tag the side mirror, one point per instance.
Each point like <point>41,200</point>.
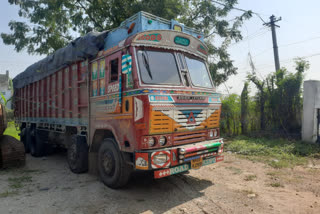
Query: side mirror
<point>126,64</point>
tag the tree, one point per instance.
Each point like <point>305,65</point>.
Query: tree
<point>54,23</point>
<point>244,108</point>
<point>280,98</point>
<point>261,95</point>
<point>285,97</point>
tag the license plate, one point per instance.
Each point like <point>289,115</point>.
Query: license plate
<point>196,163</point>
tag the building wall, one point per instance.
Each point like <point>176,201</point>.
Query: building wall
<point>311,102</point>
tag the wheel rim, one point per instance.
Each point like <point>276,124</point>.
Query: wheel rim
<point>108,163</point>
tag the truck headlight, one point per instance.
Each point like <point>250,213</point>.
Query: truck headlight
<point>160,159</point>
<point>151,142</point>
<point>211,134</point>
<point>162,140</point>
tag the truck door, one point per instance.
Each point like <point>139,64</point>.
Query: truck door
<point>113,84</point>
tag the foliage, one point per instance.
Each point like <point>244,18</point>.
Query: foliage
<point>12,131</point>
<point>278,153</point>
<point>244,108</point>
<point>3,99</point>
<point>277,106</point>
<point>53,24</point>
<point>280,98</point>
<point>230,115</point>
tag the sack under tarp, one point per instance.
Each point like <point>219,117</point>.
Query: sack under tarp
<point>79,49</point>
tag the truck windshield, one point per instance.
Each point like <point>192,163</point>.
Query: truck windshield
<point>198,73</point>
<point>158,68</point>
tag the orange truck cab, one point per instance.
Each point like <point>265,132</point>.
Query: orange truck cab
<point>144,101</point>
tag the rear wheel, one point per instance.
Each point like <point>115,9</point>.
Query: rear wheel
<point>36,142</point>
<point>24,140</point>
<point>113,168</point>
<point>78,154</point>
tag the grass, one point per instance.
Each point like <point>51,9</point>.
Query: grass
<point>276,184</point>
<point>8,194</point>
<point>278,153</point>
<point>234,170</point>
<point>250,177</point>
<point>12,131</point>
<point>274,173</point>
<point>17,182</point>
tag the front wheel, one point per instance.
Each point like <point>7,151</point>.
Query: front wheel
<point>113,168</point>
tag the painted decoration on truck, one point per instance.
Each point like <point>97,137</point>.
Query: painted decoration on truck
<point>172,40</point>
<point>161,98</point>
<point>95,88</point>
<point>126,64</point>
<point>94,71</point>
<point>172,92</point>
<point>138,109</point>
<point>152,37</point>
<point>182,118</point>
<point>141,161</point>
<point>157,165</point>
<point>171,171</point>
<point>214,99</point>
<point>190,119</point>
<point>183,168</point>
<point>102,68</point>
<point>111,105</point>
<point>102,87</point>
<point>202,49</point>
<point>113,87</point>
<point>127,69</point>
<point>219,159</point>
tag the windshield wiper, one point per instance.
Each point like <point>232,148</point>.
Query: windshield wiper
<point>146,63</point>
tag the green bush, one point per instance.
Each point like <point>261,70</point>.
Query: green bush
<point>278,153</point>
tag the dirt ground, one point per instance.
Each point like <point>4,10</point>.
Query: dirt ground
<point>46,185</point>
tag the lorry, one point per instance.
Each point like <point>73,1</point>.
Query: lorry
<point>138,97</point>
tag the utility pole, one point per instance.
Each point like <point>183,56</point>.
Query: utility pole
<point>273,26</point>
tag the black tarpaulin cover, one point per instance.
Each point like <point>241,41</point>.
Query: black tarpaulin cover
<point>79,49</point>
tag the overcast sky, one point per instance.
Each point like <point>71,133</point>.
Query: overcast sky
<point>298,36</point>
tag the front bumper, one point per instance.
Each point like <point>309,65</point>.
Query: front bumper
<point>185,167</point>
<point>178,159</point>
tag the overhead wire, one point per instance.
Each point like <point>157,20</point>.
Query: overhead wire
<point>285,61</point>
<point>286,45</point>
<point>240,9</point>
<point>252,36</point>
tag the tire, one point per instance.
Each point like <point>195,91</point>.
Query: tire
<point>29,139</point>
<point>78,154</point>
<point>113,169</point>
<point>37,140</point>
<point>24,140</point>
